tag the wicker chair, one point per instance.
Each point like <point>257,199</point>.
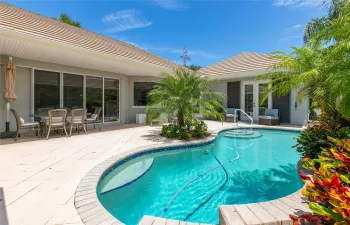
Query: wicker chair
<point>57,119</point>
<point>22,125</point>
<point>94,118</point>
<point>271,117</point>
<point>77,119</point>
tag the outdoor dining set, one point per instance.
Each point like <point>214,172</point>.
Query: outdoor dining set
<point>46,120</point>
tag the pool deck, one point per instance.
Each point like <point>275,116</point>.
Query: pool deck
<point>39,178</point>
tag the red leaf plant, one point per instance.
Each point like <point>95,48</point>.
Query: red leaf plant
<point>328,189</point>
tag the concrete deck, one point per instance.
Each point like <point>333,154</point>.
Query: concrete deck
<point>39,177</point>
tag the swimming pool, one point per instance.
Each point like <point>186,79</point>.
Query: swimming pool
<point>265,170</point>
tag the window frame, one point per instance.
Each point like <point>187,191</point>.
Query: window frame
<point>61,89</point>
<point>133,94</point>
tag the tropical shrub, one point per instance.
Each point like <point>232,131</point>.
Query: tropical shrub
<point>312,140</point>
<point>182,95</point>
<point>198,129</point>
<point>328,189</point>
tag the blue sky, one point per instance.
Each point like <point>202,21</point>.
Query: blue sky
<point>211,30</point>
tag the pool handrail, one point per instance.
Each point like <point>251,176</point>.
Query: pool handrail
<point>235,117</point>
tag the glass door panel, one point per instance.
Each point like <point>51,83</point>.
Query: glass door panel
<point>46,91</point>
<point>263,105</point>
<point>111,99</point>
<point>249,100</point>
<point>73,91</point>
<point>94,91</point>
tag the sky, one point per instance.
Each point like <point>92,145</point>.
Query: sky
<point>211,30</point>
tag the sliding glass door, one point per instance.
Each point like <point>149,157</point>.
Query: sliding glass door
<point>111,99</point>
<point>94,92</point>
<point>46,91</point>
<point>73,91</point>
<point>54,90</point>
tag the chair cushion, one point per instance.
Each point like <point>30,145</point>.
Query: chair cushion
<point>30,124</point>
<point>231,115</point>
<point>271,112</point>
<point>269,117</point>
<point>93,116</point>
<point>230,110</point>
<point>22,120</point>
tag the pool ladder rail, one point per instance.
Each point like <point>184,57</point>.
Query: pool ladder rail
<point>236,120</point>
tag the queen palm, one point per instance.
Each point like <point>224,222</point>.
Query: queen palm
<point>304,70</point>
<point>183,94</point>
<point>313,28</point>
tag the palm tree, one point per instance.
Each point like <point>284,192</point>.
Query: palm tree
<point>183,94</point>
<point>194,67</point>
<point>337,59</point>
<point>66,19</point>
<point>304,70</point>
<point>316,25</point>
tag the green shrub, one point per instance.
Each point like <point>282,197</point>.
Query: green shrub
<point>200,129</point>
<point>312,140</point>
<point>197,129</point>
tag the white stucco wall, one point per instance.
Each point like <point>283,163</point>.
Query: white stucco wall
<point>299,111</point>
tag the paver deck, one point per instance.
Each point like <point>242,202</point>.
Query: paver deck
<point>39,177</point>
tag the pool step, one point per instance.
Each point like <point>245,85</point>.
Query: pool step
<point>275,212</point>
<point>152,220</point>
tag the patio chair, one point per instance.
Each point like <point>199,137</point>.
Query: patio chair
<point>230,115</point>
<point>270,118</point>
<point>23,125</point>
<point>94,118</point>
<point>77,119</point>
<point>57,119</point>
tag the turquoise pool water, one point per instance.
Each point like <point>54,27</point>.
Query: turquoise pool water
<point>265,170</point>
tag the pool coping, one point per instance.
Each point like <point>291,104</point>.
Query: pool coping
<point>86,202</point>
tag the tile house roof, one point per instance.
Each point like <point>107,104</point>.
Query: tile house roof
<point>20,20</point>
<point>246,61</point>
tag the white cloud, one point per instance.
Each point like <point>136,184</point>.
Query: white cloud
<point>125,20</point>
<point>290,38</point>
<point>297,26</point>
<point>171,4</point>
<point>298,3</point>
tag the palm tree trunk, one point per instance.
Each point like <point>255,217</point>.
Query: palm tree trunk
<point>180,119</point>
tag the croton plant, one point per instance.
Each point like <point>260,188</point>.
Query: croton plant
<point>328,189</point>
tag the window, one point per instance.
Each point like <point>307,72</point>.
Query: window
<point>73,91</point>
<point>94,91</point>
<point>46,90</point>
<point>141,90</point>
<point>111,99</point>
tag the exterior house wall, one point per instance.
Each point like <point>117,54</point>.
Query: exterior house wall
<point>299,112</point>
<point>23,88</point>
<point>22,104</point>
<point>298,115</point>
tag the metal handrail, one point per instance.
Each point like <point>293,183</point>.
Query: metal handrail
<point>235,118</point>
